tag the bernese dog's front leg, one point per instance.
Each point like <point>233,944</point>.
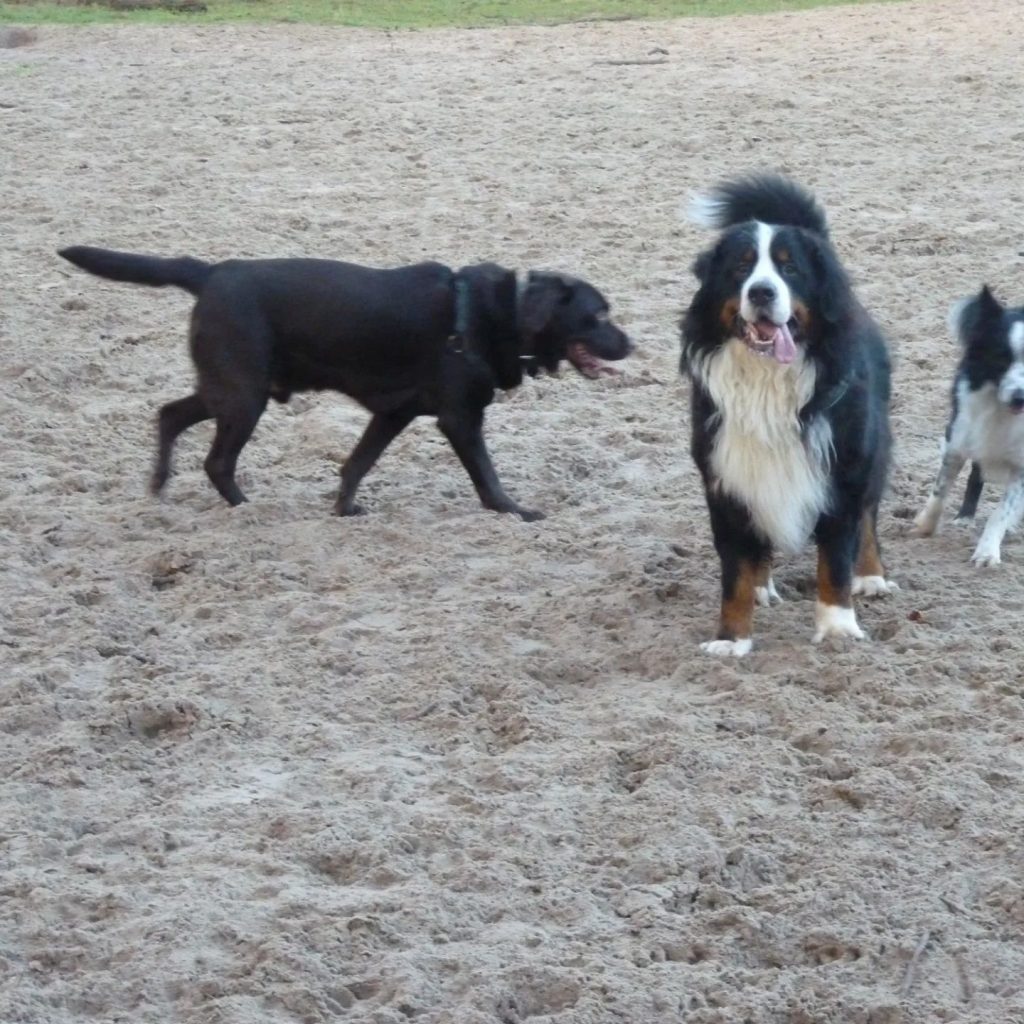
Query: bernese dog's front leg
<point>746,569</point>
<point>837,545</point>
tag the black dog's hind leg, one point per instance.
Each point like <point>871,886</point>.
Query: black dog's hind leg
<point>465,433</point>
<point>235,424</point>
<point>381,431</point>
<point>972,493</point>
<point>172,419</point>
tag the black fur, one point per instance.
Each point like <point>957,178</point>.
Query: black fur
<point>846,348</point>
<point>264,329</point>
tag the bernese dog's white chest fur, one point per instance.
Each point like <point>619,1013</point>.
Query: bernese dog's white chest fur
<point>759,455</point>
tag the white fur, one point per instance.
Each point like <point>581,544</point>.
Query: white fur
<point>706,211</point>
<point>759,456</point>
<point>987,432</point>
<point>833,620</point>
<point>767,595</point>
<point>1006,517</point>
<point>728,648</point>
<point>765,273</point>
<point>874,586</point>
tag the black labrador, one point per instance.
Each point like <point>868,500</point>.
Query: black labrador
<point>420,340</point>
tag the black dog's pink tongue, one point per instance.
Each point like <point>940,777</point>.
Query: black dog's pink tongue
<point>783,346</point>
<point>587,363</point>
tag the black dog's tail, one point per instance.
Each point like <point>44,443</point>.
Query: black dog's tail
<point>769,198</point>
<point>184,272</point>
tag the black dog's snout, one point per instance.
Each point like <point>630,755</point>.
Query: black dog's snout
<point>762,294</point>
<point>1017,399</point>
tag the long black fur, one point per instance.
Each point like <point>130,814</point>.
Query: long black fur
<point>846,347</point>
<point>420,340</point>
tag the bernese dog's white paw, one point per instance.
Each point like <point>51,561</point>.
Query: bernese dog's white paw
<point>986,555</point>
<point>833,620</point>
<point>728,648</point>
<point>874,586</point>
<point>927,520</point>
<point>767,595</point>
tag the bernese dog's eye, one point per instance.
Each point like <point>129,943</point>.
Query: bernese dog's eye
<point>788,269</point>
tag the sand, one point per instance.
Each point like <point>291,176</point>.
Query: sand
<point>264,765</point>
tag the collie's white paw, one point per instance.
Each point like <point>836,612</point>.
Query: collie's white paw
<point>986,555</point>
<point>767,595</point>
<point>833,620</point>
<point>927,519</point>
<point>874,586</point>
<point>728,648</point>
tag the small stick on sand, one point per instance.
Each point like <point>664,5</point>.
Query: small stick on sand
<point>624,63</point>
<point>966,988</point>
<point>908,978</point>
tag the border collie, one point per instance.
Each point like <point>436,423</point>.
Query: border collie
<point>790,406</point>
<point>986,425</point>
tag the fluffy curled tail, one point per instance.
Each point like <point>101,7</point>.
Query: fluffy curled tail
<point>183,272</point>
<point>769,198</point>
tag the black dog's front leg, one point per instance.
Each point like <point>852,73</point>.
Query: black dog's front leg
<point>464,431</point>
<point>382,430</point>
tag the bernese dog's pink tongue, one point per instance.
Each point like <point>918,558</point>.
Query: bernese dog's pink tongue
<point>784,349</point>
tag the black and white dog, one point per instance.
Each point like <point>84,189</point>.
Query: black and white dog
<point>986,425</point>
<point>790,407</point>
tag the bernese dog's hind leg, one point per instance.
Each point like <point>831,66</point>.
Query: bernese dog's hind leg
<point>837,545</point>
<point>1006,517</point>
<point>765,593</point>
<point>868,573</point>
<point>928,518</point>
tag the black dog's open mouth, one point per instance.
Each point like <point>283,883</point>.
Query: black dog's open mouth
<point>587,363</point>
<point>767,338</point>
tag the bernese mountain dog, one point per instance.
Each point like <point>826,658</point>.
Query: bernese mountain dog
<point>986,425</point>
<point>790,407</point>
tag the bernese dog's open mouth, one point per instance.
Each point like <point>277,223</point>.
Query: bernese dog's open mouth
<point>587,363</point>
<point>767,338</point>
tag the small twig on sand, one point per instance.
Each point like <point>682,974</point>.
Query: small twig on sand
<point>950,905</point>
<point>623,63</point>
<point>966,988</point>
<point>908,978</point>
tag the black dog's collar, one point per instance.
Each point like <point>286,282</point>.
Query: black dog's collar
<point>528,360</point>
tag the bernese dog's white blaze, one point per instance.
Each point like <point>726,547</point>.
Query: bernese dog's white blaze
<point>765,275</point>
<point>760,456</point>
<point>987,422</point>
<point>834,620</point>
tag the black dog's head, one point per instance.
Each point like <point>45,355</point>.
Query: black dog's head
<point>772,279</point>
<point>562,317</point>
<point>992,337</point>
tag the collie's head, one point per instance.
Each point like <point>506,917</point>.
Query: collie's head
<point>772,279</point>
<point>992,337</point>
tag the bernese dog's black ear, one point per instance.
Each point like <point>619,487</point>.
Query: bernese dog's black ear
<point>835,295</point>
<point>702,265</point>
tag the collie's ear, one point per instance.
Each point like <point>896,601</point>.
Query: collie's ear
<point>969,316</point>
<point>836,296</point>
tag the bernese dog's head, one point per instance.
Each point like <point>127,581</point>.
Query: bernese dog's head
<point>992,337</point>
<point>772,279</point>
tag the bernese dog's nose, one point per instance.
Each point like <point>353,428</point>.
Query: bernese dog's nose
<point>1017,399</point>
<point>761,294</point>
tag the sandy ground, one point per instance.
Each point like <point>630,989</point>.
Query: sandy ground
<point>262,765</point>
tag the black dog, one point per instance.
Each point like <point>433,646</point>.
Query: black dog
<point>790,412</point>
<point>414,341</point>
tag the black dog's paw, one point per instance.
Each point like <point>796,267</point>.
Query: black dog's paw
<point>530,515</point>
<point>349,510</point>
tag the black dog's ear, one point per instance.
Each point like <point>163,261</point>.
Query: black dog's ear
<point>835,294</point>
<point>544,292</point>
<point>485,313</point>
<point>970,317</point>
